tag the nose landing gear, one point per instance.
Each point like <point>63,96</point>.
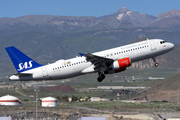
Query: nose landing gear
<point>155,63</point>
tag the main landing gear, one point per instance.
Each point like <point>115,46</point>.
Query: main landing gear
<point>155,63</point>
<point>101,77</point>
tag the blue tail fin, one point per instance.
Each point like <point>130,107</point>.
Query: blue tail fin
<point>20,60</point>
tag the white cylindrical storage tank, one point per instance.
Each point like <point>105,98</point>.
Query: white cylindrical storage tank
<point>9,100</point>
<point>49,102</point>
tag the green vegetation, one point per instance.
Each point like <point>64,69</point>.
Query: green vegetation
<point>118,106</point>
<point>8,91</point>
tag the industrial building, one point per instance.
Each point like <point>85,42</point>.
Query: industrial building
<point>92,118</point>
<point>93,99</point>
<point>9,100</point>
<point>120,87</point>
<point>49,102</point>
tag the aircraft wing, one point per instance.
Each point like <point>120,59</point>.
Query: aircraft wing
<point>98,61</point>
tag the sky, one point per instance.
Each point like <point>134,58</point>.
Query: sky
<point>17,8</point>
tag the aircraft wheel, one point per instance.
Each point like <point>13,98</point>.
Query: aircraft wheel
<point>101,77</point>
<point>156,64</point>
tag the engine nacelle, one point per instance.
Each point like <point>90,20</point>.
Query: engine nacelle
<point>118,66</point>
<point>121,63</point>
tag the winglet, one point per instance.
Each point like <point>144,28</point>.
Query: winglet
<point>81,54</point>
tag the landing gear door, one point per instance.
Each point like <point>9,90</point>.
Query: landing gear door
<point>44,71</point>
<point>153,47</point>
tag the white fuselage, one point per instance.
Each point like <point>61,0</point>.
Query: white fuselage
<point>79,65</point>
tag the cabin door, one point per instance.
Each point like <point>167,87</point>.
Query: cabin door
<point>44,71</point>
<point>153,47</point>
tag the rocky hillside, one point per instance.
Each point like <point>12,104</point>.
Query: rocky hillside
<point>170,19</point>
<point>124,15</point>
<point>166,90</point>
<point>172,83</point>
<point>118,19</point>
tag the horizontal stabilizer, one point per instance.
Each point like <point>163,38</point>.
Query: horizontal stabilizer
<point>22,74</point>
<point>81,54</point>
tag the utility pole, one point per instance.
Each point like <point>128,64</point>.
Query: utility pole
<point>177,97</point>
<point>36,90</point>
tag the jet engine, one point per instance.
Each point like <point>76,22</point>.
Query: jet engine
<point>118,65</point>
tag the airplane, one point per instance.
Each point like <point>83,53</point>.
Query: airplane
<point>104,62</point>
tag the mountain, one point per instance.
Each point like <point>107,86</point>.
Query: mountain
<point>47,20</point>
<point>170,13</point>
<point>125,14</point>
<point>170,19</point>
<point>172,83</point>
<point>166,90</point>
<point>121,18</point>
<point>124,17</point>
<point>47,38</point>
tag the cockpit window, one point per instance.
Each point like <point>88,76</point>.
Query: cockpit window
<point>162,42</point>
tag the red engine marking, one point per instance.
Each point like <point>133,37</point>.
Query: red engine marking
<point>125,62</point>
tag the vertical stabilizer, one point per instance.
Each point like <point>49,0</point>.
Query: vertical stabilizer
<point>20,60</point>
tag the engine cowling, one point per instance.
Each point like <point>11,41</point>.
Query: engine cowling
<point>119,65</point>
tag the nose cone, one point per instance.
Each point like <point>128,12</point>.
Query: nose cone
<point>171,46</point>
